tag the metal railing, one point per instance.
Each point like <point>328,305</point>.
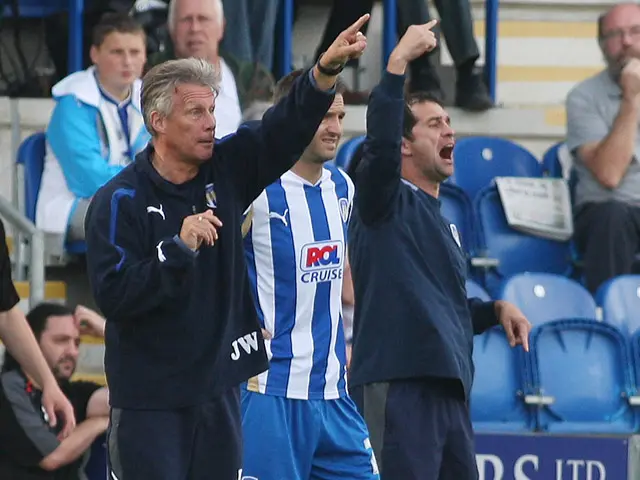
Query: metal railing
<point>35,244</point>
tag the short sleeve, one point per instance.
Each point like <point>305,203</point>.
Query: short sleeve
<point>8,295</point>
<point>79,393</point>
<point>585,124</point>
<point>24,434</point>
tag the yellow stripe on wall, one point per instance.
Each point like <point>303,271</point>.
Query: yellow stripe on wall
<point>523,29</point>
<point>52,290</point>
<point>88,377</point>
<point>555,116</point>
<point>510,73</point>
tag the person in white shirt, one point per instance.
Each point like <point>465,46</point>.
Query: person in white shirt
<point>196,28</point>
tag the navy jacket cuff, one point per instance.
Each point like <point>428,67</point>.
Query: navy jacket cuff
<point>312,79</point>
<point>392,84</point>
<point>183,246</point>
<point>483,315</point>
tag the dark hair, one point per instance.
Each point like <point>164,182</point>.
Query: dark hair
<point>114,22</point>
<point>409,120</point>
<point>284,85</point>
<point>37,320</point>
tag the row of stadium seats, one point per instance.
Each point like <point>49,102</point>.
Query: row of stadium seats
<point>471,201</point>
<point>582,374</point>
<point>480,160</point>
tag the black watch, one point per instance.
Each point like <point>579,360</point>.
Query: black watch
<point>330,72</point>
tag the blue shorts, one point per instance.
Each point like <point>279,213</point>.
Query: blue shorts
<point>305,439</point>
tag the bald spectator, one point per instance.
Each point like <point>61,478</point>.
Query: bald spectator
<point>196,28</point>
<point>602,134</point>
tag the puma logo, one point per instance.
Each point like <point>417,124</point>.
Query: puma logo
<point>161,256</point>
<point>159,211</point>
<point>282,218</point>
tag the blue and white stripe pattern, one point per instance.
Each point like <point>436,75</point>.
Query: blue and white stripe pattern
<point>296,254</point>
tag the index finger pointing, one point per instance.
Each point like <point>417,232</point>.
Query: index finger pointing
<point>430,24</point>
<point>355,27</point>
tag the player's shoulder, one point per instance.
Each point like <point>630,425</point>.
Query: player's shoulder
<point>340,177</point>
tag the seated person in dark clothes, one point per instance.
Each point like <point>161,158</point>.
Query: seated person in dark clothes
<point>30,448</point>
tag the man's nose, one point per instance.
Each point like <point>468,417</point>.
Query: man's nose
<point>334,127</point>
<point>210,122</point>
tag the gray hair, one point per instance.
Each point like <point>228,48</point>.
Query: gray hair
<point>159,84</point>
<point>171,15</point>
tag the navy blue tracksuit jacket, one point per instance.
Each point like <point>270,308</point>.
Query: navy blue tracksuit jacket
<point>182,327</point>
<point>412,318</point>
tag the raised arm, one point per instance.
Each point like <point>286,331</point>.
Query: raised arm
<point>260,152</point>
<point>379,172</point>
<point>128,280</point>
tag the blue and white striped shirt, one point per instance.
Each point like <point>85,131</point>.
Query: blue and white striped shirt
<point>296,253</point>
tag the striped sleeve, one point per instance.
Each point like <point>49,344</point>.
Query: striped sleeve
<point>23,432</point>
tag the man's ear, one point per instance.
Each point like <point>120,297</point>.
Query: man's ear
<point>405,148</point>
<point>158,122</point>
<point>93,54</point>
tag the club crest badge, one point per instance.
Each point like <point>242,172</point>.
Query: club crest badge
<point>455,234</point>
<point>343,204</point>
<point>210,196</point>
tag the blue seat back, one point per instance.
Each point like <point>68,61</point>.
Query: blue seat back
<point>478,160</point>
<point>544,297</point>
<point>620,302</point>
<point>475,290</point>
<point>346,151</point>
<point>584,366</point>
<point>31,156</point>
<point>457,208</point>
<point>517,252</point>
<point>496,396</point>
<point>36,8</point>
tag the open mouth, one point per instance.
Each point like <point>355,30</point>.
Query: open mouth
<point>447,151</point>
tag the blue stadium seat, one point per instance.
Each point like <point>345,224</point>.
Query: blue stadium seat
<point>497,396</point>
<point>31,156</point>
<point>456,207</point>
<point>346,151</point>
<point>516,252</point>
<point>582,367</point>
<point>36,8</point>
<point>475,290</point>
<point>480,159</point>
<point>544,297</point>
<point>620,302</point>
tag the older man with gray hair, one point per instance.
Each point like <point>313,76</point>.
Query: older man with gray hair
<point>603,118</point>
<point>166,263</point>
